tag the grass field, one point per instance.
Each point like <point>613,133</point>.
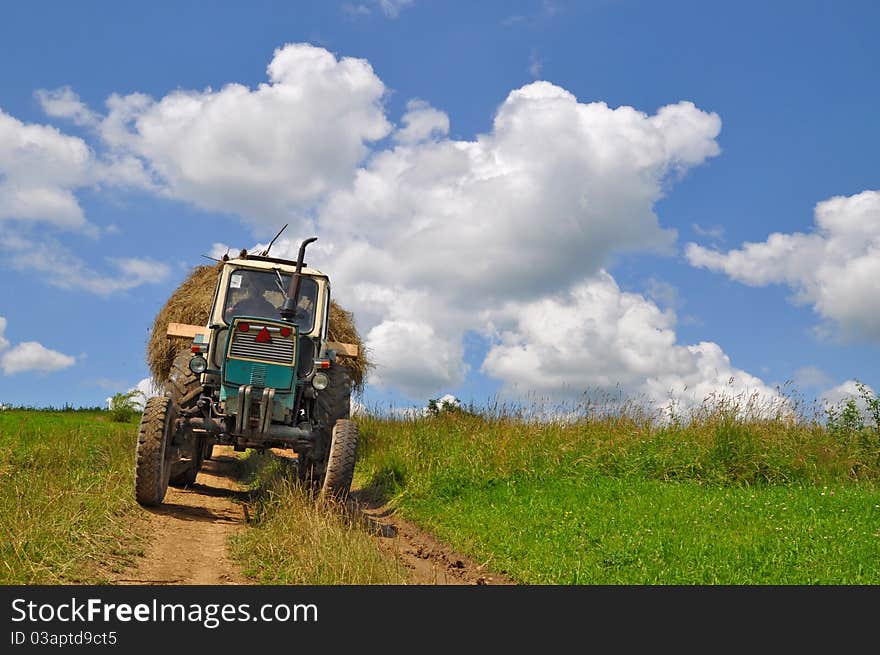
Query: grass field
<point>610,498</point>
<point>67,512</point>
<point>620,499</point>
<point>293,540</point>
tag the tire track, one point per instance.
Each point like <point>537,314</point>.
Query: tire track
<point>190,530</point>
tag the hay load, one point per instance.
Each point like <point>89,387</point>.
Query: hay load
<point>191,303</point>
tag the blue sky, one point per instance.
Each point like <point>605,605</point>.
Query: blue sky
<point>782,120</point>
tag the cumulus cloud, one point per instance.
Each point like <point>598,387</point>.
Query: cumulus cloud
<point>266,153</point>
<point>30,356</point>
<point>558,186</point>
<point>436,237</point>
<point>433,237</point>
<point>453,230</point>
<point>421,122</point>
<point>599,337</point>
<point>40,170</point>
<point>834,268</point>
<point>411,355</point>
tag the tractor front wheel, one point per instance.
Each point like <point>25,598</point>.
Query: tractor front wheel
<point>341,460</point>
<point>152,468</point>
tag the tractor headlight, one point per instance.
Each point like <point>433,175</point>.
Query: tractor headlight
<point>198,364</point>
<point>320,381</point>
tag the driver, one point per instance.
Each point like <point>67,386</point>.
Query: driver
<point>254,302</point>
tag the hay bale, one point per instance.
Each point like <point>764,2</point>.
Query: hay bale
<point>191,303</point>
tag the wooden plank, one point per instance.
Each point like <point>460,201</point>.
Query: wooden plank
<point>347,349</point>
<point>184,330</point>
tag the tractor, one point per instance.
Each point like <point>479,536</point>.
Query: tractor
<point>261,374</point>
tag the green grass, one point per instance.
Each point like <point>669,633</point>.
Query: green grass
<point>621,499</point>
<point>294,540</point>
<point>67,512</point>
<point>604,530</point>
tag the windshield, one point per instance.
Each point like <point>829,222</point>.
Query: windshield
<point>256,293</point>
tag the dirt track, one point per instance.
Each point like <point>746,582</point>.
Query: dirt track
<point>188,537</point>
<point>189,531</point>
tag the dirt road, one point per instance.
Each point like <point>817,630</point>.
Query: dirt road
<point>190,531</point>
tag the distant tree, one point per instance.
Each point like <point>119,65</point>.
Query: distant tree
<point>124,406</point>
<point>447,403</point>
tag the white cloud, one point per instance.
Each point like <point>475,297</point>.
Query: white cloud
<point>845,391</point>
<point>714,232</point>
<point>61,268</point>
<point>40,169</point>
<point>421,122</point>
<point>64,103</point>
<point>267,153</point>
<point>437,237</point>
<point>4,342</point>
<point>29,356</point>
<point>555,189</point>
<point>446,232</point>
<point>662,293</point>
<point>834,268</point>
<point>598,337</point>
<point>410,355</point>
<point>433,237</point>
<point>33,356</point>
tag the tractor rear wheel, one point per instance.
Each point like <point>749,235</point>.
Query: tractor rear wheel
<point>183,385</point>
<point>185,388</point>
<point>341,460</point>
<point>152,468</point>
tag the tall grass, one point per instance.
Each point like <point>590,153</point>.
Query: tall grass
<point>67,511</point>
<point>722,441</point>
<point>548,499</point>
<point>294,540</point>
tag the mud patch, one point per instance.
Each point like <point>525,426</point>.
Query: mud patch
<point>428,560</point>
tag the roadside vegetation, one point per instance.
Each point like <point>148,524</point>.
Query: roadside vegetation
<point>67,514</point>
<point>612,494</point>
<point>293,540</point>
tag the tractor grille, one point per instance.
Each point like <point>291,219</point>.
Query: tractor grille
<point>277,351</point>
<point>258,376</point>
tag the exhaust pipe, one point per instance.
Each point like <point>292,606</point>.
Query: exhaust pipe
<point>288,309</point>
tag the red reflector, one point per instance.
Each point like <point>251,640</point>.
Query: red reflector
<point>323,363</point>
<point>244,327</point>
<point>196,349</point>
<point>285,332</point>
<point>263,336</point>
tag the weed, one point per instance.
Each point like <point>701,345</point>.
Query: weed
<point>125,406</point>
